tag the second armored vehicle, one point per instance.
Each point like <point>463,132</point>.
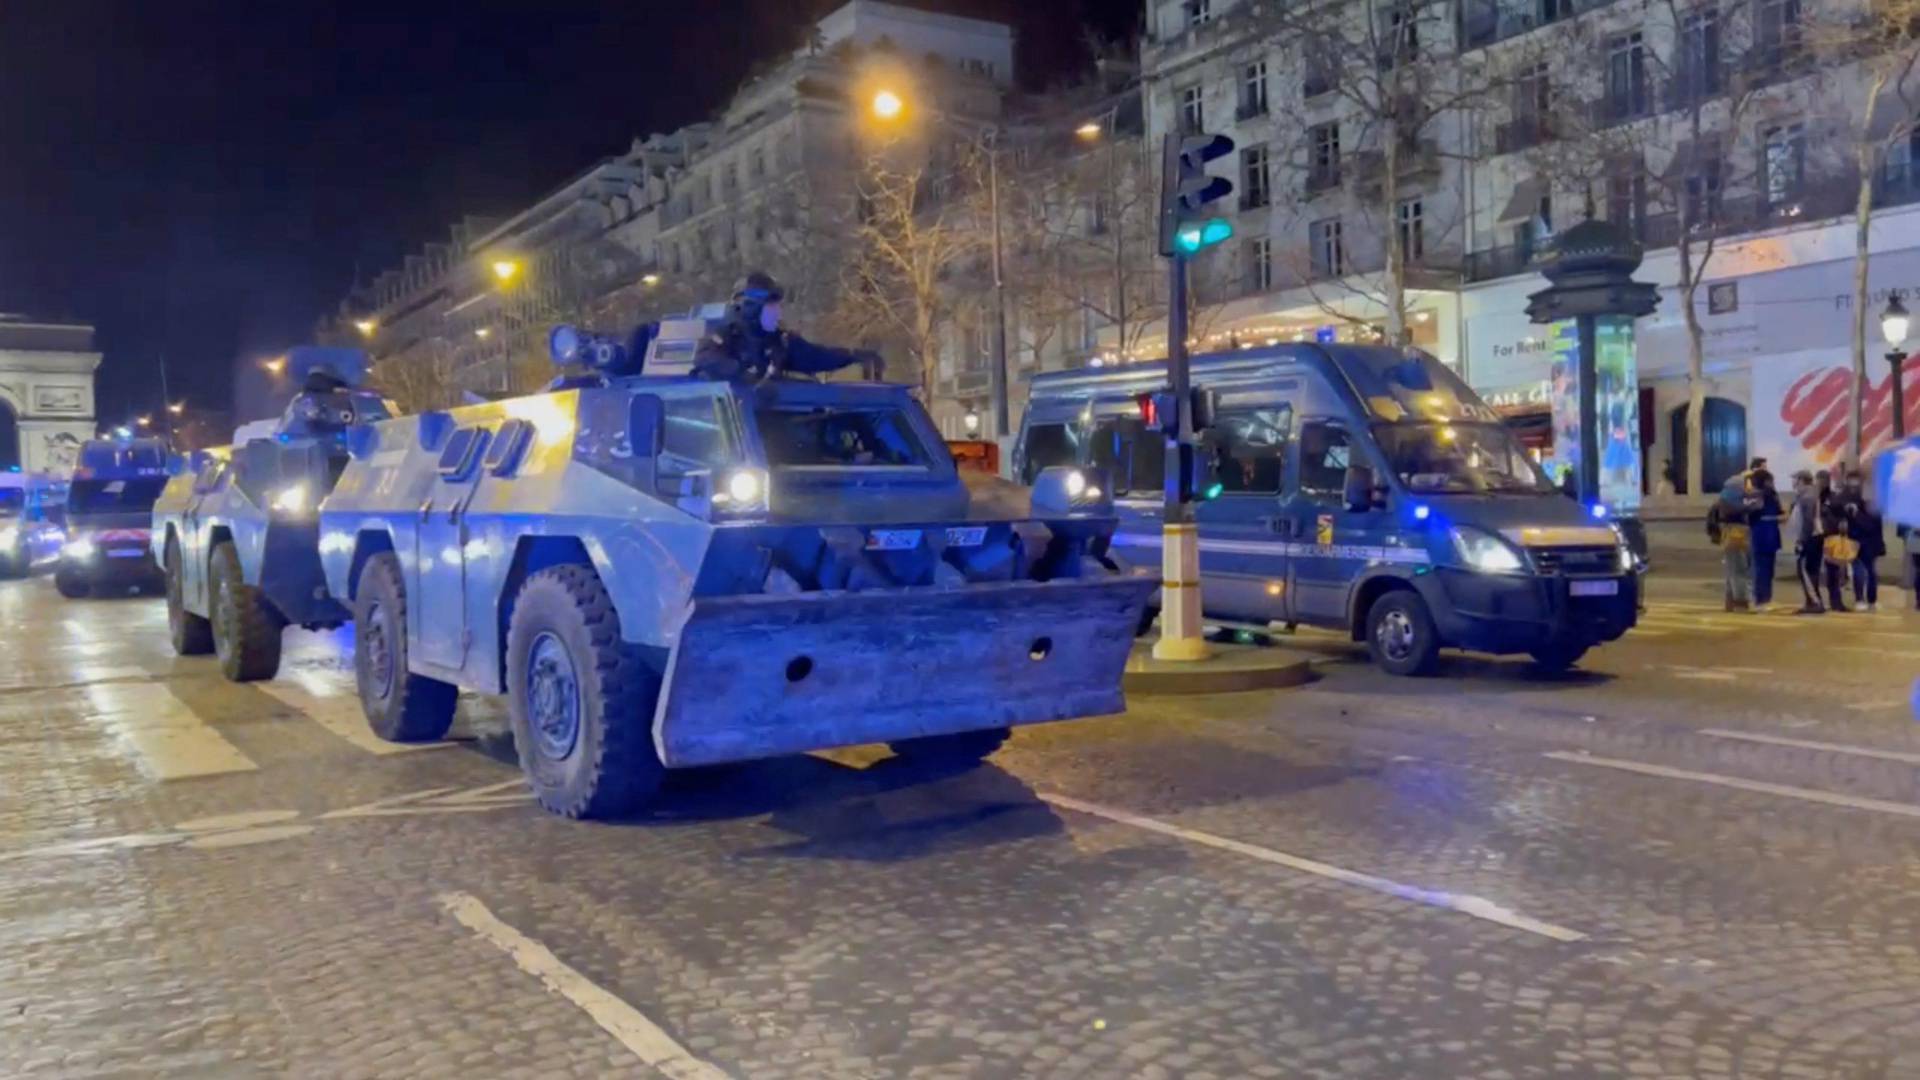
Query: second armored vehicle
<point>237,533</point>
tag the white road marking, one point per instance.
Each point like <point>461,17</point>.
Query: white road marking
<point>338,712</point>
<point>1851,802</point>
<point>1877,706</point>
<point>169,738</point>
<point>637,1033</point>
<point>1701,674</point>
<point>1897,654</point>
<point>1902,756</point>
<point>1478,907</point>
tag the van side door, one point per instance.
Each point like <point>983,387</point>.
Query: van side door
<point>1243,549</point>
<point>1325,537</point>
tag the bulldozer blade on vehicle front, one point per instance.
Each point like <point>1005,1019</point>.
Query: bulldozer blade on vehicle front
<point>763,675</point>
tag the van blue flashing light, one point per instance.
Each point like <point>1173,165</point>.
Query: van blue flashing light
<point>1422,512</point>
<point>1599,512</point>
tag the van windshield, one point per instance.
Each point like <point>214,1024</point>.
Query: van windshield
<point>114,496</point>
<point>1470,458</point>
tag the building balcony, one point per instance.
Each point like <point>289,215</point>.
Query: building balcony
<point>1322,179</point>
<point>1485,22</point>
<point>1251,110</point>
<point>1524,133</point>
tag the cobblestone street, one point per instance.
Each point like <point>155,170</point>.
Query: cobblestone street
<point>1699,856</point>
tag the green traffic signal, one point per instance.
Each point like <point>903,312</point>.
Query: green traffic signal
<point>1213,490</point>
<point>1194,237</point>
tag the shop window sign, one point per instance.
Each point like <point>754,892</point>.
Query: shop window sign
<point>1723,298</point>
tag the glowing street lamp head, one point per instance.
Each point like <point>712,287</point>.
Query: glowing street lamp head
<point>275,365</point>
<point>1090,130</point>
<point>482,332</point>
<point>649,280</point>
<point>506,269</point>
<point>365,326</point>
<point>144,421</point>
<point>177,407</point>
<point>887,105</point>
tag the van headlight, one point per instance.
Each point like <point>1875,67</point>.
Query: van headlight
<point>9,536</point>
<point>80,549</point>
<point>1486,553</point>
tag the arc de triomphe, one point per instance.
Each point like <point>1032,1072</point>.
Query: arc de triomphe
<point>46,382</point>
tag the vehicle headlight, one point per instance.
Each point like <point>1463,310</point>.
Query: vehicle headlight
<point>741,490</point>
<point>80,549</point>
<point>292,499</point>
<point>1628,562</point>
<point>1482,551</point>
<point>9,536</point>
<point>1076,484</point>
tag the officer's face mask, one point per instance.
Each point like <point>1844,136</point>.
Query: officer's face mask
<point>770,316</point>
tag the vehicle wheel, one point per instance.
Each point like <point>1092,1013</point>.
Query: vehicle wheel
<point>12,566</point>
<point>1558,657</point>
<point>1147,615</point>
<point>1400,634</point>
<point>400,706</point>
<point>964,748</point>
<point>246,632</point>
<point>71,586</point>
<point>581,700</point>
<point>192,635</point>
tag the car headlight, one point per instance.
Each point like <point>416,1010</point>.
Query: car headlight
<point>9,536</point>
<point>80,549</point>
<point>1482,551</point>
<point>292,499</point>
<point>1629,563</point>
<point>741,491</point>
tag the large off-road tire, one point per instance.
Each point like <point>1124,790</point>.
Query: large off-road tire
<point>964,748</point>
<point>246,632</point>
<point>192,635</point>
<point>400,706</point>
<point>580,700</point>
<point>1401,635</point>
<point>71,585</point>
<point>1559,656</point>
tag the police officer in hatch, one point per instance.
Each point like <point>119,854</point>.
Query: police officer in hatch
<point>751,344</point>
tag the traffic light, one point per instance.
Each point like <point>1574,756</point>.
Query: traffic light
<point>1192,481</point>
<point>1185,190</point>
<point>1160,409</point>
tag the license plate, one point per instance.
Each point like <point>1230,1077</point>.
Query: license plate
<point>136,554</point>
<point>968,536</point>
<point>1594,588</point>
<point>893,539</point>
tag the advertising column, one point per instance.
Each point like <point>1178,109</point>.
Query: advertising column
<point>1616,407</point>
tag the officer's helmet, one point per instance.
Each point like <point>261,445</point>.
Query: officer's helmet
<point>753,292</point>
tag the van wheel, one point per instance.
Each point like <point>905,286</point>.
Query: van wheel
<point>400,706</point>
<point>580,699</point>
<point>1400,634</point>
<point>1558,657</point>
<point>191,634</point>
<point>246,632</point>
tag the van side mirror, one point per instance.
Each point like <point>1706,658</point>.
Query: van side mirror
<point>1359,488</point>
<point>647,425</point>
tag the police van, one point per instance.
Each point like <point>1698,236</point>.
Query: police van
<point>1363,489</point>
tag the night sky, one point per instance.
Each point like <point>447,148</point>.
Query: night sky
<point>206,177</point>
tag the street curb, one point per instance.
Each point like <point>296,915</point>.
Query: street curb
<point>1231,669</point>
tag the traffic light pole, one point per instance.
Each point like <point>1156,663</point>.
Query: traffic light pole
<point>1180,629</point>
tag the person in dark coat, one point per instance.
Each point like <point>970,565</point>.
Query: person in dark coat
<point>1832,517</point>
<point>1764,517</point>
<point>1865,528</point>
<point>1806,540</point>
<point>752,344</point>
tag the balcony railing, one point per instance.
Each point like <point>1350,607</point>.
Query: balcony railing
<point>1484,22</point>
<point>1522,134</point>
<point>1323,178</point>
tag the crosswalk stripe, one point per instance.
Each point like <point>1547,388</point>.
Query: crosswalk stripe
<point>337,712</point>
<point>164,733</point>
<point>1829,798</point>
<point>1809,744</point>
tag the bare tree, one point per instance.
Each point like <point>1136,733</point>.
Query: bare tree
<point>1881,43</point>
<point>419,378</point>
<point>1662,128</point>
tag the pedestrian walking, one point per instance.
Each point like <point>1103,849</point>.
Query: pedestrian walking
<point>1764,509</point>
<point>1836,548</point>
<point>1727,525</point>
<point>1868,533</point>
<point>1804,526</point>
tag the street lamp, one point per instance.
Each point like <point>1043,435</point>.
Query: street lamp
<point>1893,326</point>
<point>275,365</point>
<point>176,407</point>
<point>649,280</point>
<point>887,105</point>
<point>1090,130</point>
<point>482,332</point>
<point>506,269</point>
<point>972,422</point>
<point>144,421</point>
<point>366,327</point>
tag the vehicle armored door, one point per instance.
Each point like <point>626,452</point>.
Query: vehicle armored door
<point>1243,547</point>
<point>207,484</point>
<point>437,612</point>
<point>1328,540</point>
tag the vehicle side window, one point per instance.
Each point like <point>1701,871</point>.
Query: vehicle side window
<point>1048,445</point>
<point>693,434</point>
<point>1247,449</point>
<point>1324,454</point>
<point>1133,456</point>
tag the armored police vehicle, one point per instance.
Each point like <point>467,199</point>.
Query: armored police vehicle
<point>110,501</point>
<point>31,532</point>
<point>237,531</point>
<point>661,569</point>
<point>1363,489</point>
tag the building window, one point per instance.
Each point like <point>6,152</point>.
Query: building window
<point>1256,187</point>
<point>1198,12</point>
<point>1776,32</point>
<point>1783,166</point>
<point>1100,214</point>
<point>1699,75</point>
<point>1259,264</point>
<point>1627,199</point>
<point>1320,72</point>
<point>1532,106</point>
<point>1329,250</point>
<point>1528,235</point>
<point>1193,110</point>
<point>1626,76</point>
<point>1703,184</point>
<point>1410,221</point>
<point>1555,10</point>
<point>1399,36</point>
<point>1323,166</point>
<point>757,164</point>
<point>1253,90</point>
